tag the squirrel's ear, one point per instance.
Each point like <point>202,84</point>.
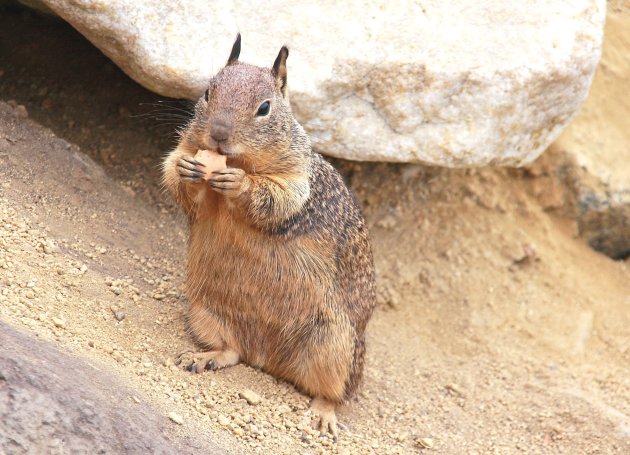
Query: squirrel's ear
<point>279,69</point>
<point>236,51</point>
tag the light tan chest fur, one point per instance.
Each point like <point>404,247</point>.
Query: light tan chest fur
<point>266,289</point>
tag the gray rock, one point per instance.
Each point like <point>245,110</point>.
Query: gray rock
<point>454,83</point>
<point>51,402</point>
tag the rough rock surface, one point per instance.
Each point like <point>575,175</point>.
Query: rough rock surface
<point>51,402</point>
<point>448,83</point>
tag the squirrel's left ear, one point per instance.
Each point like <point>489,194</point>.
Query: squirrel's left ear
<point>236,51</point>
<point>279,69</point>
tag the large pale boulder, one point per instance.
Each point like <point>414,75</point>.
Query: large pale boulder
<point>452,83</point>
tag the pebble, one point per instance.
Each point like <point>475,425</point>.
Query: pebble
<point>250,396</point>
<point>59,322</point>
<point>223,420</point>
<point>116,290</point>
<point>426,443</point>
<point>50,248</point>
<point>175,417</point>
<point>20,111</point>
<point>387,222</point>
<point>455,389</point>
<point>400,437</point>
<point>119,315</point>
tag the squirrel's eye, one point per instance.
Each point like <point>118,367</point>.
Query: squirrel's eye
<point>263,109</point>
<point>205,95</point>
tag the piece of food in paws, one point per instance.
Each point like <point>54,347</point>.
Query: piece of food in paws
<point>211,161</point>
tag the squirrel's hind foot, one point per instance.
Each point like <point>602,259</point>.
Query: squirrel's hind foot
<point>213,360</point>
<point>326,418</point>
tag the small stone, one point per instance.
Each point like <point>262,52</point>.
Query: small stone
<point>387,222</point>
<point>175,417</point>
<point>223,420</point>
<point>29,294</point>
<point>454,388</point>
<point>426,443</point>
<point>387,295</point>
<point>527,254</point>
<point>158,296</point>
<point>50,248</point>
<point>305,438</point>
<point>59,322</point>
<point>20,111</point>
<point>119,315</point>
<point>400,437</point>
<point>250,396</point>
<point>116,290</point>
<point>83,268</point>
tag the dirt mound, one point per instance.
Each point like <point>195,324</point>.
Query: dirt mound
<point>498,329</point>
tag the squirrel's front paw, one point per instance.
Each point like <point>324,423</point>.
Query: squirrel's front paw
<point>190,170</point>
<point>231,181</point>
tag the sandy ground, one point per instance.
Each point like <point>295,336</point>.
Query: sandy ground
<point>498,329</point>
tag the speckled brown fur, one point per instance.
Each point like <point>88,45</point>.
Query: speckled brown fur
<point>279,264</point>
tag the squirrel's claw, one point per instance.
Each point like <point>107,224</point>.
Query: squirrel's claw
<point>212,360</point>
<point>190,162</point>
<point>189,171</point>
<point>230,182</point>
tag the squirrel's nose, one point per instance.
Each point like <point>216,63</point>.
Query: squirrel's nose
<point>220,130</point>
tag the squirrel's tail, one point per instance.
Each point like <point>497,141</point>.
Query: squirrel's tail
<point>356,370</point>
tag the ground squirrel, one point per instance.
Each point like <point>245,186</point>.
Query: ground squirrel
<point>280,272</point>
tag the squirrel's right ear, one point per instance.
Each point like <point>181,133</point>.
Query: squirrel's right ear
<point>236,51</point>
<point>279,69</point>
